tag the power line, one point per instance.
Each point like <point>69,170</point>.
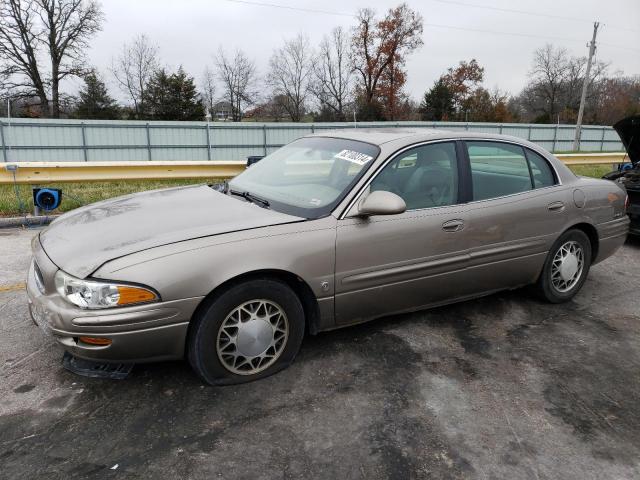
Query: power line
<point>526,12</point>
<point>519,34</point>
<point>510,10</point>
<point>494,32</point>
<point>289,7</point>
<point>436,25</point>
<point>624,47</point>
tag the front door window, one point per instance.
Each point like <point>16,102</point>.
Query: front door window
<point>425,176</point>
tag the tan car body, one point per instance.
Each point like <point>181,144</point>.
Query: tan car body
<point>186,243</point>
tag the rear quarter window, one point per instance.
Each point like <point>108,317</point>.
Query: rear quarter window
<point>542,173</point>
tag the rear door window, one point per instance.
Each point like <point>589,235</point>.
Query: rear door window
<point>498,169</point>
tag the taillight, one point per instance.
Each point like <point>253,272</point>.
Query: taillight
<point>626,202</point>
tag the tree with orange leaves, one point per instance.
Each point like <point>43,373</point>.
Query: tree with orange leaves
<point>463,81</point>
<point>378,52</point>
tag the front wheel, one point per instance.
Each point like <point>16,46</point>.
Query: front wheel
<point>250,331</point>
<point>566,267</point>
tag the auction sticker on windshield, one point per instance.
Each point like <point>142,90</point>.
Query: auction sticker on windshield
<point>354,157</point>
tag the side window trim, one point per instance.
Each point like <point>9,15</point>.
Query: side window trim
<point>526,158</point>
<point>465,182</point>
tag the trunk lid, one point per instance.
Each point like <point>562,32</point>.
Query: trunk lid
<point>629,130</point>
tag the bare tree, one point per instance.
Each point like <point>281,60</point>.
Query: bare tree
<point>289,74</point>
<point>237,76</point>
<point>33,29</point>
<point>20,44</point>
<point>134,68</point>
<point>333,74</point>
<point>553,93</point>
<point>208,90</point>
<point>572,88</point>
<point>549,71</point>
<point>68,24</point>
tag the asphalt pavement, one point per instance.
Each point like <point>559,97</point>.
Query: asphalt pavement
<point>503,387</point>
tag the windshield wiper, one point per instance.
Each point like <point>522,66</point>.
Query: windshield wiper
<point>250,197</point>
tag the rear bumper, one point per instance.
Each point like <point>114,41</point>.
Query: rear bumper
<point>144,333</point>
<point>611,236</point>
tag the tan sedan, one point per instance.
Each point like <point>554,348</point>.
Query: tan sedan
<point>328,231</point>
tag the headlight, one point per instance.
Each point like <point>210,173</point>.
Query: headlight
<point>94,295</point>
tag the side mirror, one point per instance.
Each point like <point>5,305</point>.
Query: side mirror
<point>381,202</point>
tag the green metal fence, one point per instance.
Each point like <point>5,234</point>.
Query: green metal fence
<point>99,140</point>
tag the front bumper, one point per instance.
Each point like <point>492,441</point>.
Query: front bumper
<point>143,333</point>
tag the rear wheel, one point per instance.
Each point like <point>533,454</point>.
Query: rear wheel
<point>250,331</point>
<point>566,267</point>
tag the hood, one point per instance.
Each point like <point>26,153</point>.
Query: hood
<point>82,240</point>
<point>629,130</point>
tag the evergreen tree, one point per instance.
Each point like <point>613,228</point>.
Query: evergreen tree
<point>94,101</point>
<point>438,102</point>
<point>173,96</point>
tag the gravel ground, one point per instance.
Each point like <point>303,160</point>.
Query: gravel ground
<point>502,387</point>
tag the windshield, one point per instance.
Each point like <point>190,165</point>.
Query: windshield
<point>308,177</point>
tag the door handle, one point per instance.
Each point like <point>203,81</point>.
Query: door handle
<point>555,206</point>
<point>453,225</point>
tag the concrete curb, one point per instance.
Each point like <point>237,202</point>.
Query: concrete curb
<point>26,221</point>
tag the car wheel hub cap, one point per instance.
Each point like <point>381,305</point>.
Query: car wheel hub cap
<point>567,266</point>
<point>252,337</point>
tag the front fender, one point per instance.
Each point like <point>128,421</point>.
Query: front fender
<point>196,267</point>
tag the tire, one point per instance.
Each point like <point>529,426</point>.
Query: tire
<point>557,285</point>
<point>250,331</point>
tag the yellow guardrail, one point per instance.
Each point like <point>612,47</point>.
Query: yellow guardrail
<point>593,158</point>
<point>32,173</point>
<point>56,172</point>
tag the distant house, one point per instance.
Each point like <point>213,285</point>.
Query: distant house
<point>222,112</point>
<point>270,111</point>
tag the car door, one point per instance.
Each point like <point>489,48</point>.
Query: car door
<point>516,211</point>
<point>395,263</point>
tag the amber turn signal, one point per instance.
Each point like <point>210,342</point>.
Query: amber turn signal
<point>103,342</point>
<point>130,295</point>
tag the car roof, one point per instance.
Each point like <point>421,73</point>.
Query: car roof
<point>380,136</point>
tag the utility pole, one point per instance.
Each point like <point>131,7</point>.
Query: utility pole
<point>585,85</point>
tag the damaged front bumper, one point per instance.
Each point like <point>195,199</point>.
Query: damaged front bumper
<point>143,333</point>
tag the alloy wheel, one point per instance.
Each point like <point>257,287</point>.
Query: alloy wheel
<point>252,337</point>
<point>567,266</point>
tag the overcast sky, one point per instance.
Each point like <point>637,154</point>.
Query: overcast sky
<point>188,32</point>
